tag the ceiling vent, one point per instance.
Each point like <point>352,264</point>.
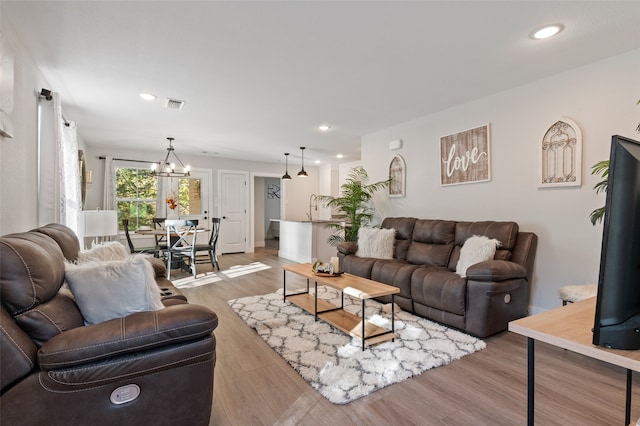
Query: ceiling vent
<point>174,103</point>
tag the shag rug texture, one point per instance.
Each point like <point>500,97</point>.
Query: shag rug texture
<point>334,362</point>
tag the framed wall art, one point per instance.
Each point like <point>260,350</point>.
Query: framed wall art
<point>560,155</point>
<point>465,157</point>
<point>397,173</point>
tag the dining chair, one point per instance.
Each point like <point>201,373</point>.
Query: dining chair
<point>211,246</point>
<point>181,235</point>
<point>132,248</point>
<point>161,241</point>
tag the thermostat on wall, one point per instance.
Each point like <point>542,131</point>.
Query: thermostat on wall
<point>397,144</point>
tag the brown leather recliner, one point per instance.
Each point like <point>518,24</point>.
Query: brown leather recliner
<point>146,368</point>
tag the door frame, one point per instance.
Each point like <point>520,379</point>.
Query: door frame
<point>251,217</point>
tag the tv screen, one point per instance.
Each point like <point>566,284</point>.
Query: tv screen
<point>617,317</point>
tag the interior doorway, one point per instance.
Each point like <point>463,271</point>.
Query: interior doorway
<point>267,195</point>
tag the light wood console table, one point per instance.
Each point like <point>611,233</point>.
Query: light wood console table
<point>354,286</point>
<point>570,327</point>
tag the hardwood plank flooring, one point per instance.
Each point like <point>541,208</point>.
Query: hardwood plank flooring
<point>255,386</point>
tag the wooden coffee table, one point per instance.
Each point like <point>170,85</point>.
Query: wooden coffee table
<point>354,286</point>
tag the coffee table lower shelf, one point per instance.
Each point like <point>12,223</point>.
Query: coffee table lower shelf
<point>343,320</point>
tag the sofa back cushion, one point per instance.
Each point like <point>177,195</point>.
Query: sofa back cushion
<point>432,242</point>
<point>31,274</point>
<point>65,237</point>
<point>505,232</point>
<point>404,232</point>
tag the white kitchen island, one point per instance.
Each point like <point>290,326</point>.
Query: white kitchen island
<point>305,240</point>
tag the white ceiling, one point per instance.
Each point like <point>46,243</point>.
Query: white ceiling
<point>258,77</point>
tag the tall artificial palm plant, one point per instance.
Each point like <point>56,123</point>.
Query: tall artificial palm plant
<point>353,204</point>
<point>600,168</point>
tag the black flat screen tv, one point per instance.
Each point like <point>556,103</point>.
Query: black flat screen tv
<point>617,317</point>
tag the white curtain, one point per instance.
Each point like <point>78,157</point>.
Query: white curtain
<point>59,198</point>
<point>109,198</point>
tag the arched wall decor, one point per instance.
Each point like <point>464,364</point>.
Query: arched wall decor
<point>560,155</point>
<point>397,173</point>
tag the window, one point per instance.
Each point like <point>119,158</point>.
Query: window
<point>136,196</point>
<point>190,200</point>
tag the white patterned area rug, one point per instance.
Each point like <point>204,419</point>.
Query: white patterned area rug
<point>334,362</point>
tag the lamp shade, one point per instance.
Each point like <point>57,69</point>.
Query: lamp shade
<point>99,223</point>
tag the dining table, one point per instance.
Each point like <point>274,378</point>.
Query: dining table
<point>178,263</point>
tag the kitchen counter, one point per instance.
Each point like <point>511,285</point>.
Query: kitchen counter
<point>304,240</point>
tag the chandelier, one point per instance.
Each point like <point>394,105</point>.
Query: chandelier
<point>168,169</point>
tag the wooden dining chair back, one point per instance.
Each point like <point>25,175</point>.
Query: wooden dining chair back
<point>210,247</point>
<point>181,235</point>
<point>132,248</point>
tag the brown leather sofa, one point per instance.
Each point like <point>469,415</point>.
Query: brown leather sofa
<point>148,368</point>
<point>423,267</point>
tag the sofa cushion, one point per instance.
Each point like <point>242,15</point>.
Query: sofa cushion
<point>404,232</point>
<point>376,243</point>
<point>439,288</point>
<point>107,290</point>
<point>360,266</point>
<point>50,318</point>
<point>396,273</point>
<point>476,249</point>
<point>432,242</point>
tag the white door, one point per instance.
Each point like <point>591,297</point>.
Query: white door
<point>233,211</point>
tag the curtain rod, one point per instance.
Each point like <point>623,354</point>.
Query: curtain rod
<point>102,157</point>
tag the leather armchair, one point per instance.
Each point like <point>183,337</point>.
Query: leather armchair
<point>151,367</point>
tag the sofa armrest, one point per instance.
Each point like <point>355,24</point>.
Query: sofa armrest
<point>133,333</point>
<point>348,247</point>
<point>159,268</point>
<point>496,270</point>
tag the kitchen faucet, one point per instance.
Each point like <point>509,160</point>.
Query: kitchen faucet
<point>312,198</point>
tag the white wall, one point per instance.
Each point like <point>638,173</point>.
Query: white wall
<point>600,97</point>
<point>18,155</point>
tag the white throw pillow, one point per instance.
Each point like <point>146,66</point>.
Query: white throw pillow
<point>474,250</point>
<point>376,242</point>
<point>108,290</point>
<point>110,250</point>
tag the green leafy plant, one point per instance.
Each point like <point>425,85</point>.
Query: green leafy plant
<point>353,205</point>
<point>601,168</point>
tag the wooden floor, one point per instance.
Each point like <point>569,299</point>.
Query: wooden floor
<point>254,386</point>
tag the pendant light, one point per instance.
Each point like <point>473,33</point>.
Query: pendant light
<point>302,173</point>
<point>286,167</point>
<point>167,169</point>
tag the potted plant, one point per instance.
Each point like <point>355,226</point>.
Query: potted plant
<point>600,168</point>
<point>353,205</point>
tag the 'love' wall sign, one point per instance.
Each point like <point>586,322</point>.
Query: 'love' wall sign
<point>464,157</point>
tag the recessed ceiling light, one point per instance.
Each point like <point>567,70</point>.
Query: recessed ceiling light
<point>546,31</point>
<point>324,127</point>
<point>339,156</point>
<point>317,161</point>
<point>147,96</point>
